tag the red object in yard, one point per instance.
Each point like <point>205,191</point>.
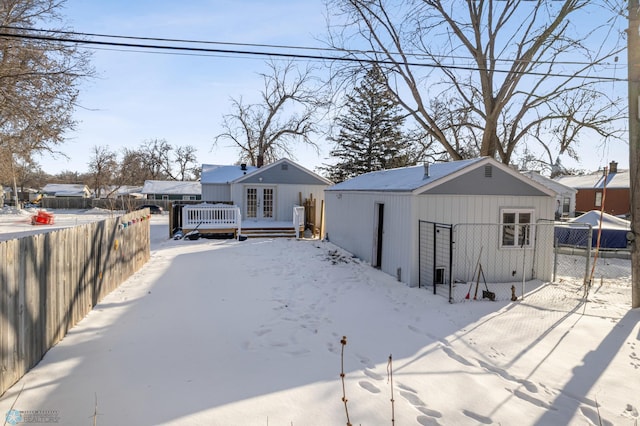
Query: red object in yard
<point>42,218</point>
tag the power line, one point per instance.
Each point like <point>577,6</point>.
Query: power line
<point>274,46</point>
<point>352,56</point>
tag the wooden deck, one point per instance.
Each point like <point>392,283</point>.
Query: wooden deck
<point>257,229</point>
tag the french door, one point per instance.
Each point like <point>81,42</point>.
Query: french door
<point>260,203</point>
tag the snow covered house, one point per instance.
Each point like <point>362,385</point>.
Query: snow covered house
<point>66,190</point>
<point>433,224</point>
<point>565,198</point>
<point>171,190</point>
<point>592,187</point>
<point>265,194</point>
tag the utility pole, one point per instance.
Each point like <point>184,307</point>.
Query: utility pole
<point>633,55</point>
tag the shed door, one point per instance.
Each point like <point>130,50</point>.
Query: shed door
<point>260,203</point>
<point>378,234</point>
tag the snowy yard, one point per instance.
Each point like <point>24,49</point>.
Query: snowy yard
<point>221,332</point>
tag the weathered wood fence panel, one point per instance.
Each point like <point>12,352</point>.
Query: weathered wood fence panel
<point>50,281</point>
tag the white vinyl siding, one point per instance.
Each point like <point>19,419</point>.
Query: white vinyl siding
<point>216,192</point>
<point>286,197</point>
<point>350,219</point>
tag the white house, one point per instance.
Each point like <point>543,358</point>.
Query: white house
<point>433,224</point>
<point>266,194</point>
<point>566,196</point>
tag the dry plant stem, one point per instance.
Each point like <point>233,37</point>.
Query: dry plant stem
<point>343,342</point>
<point>390,376</point>
<point>95,411</point>
<point>14,403</point>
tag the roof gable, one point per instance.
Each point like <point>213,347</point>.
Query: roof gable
<point>283,171</point>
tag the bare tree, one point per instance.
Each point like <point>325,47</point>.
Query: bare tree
<point>187,163</point>
<point>38,80</point>
<point>133,170</point>
<point>155,155</point>
<point>103,167</point>
<point>157,159</point>
<point>289,111</point>
<point>485,77</point>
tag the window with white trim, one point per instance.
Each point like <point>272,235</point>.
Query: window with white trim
<point>516,227</point>
<point>598,200</point>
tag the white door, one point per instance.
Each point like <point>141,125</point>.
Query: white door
<point>259,203</point>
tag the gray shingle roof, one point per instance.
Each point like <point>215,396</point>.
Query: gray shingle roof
<point>404,179</point>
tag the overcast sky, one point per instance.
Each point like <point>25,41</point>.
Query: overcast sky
<point>182,98</point>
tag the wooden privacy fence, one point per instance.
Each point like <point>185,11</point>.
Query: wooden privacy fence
<point>50,281</point>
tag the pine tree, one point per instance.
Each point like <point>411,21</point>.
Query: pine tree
<point>370,133</point>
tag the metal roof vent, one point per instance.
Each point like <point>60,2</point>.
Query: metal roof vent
<point>488,171</point>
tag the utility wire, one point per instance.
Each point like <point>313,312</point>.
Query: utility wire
<point>351,56</point>
<point>276,46</point>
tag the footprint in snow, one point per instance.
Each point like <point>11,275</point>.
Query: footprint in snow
<point>427,421</point>
<point>594,417</point>
<point>369,386</point>
<point>477,417</point>
<point>372,374</point>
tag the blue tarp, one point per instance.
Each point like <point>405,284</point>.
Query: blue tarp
<point>613,236</point>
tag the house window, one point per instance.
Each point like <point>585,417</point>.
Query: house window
<point>516,227</point>
<point>188,197</point>
<point>165,197</point>
<point>598,202</point>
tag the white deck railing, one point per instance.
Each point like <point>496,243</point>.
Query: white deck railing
<point>211,216</point>
<point>298,219</point>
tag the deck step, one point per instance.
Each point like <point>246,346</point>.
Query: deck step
<point>269,232</point>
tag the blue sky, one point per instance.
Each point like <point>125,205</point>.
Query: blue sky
<point>182,98</point>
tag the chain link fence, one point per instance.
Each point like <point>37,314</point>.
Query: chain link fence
<point>508,262</point>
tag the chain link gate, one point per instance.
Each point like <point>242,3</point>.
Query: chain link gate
<point>435,251</point>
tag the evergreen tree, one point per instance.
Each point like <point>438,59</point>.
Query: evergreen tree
<point>370,133</point>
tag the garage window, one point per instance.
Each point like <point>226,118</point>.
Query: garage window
<point>516,228</point>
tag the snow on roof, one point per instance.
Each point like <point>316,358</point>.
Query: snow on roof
<point>608,221</point>
<point>64,187</point>
<point>402,179</point>
<point>596,180</point>
<point>171,187</point>
<point>558,187</point>
<point>212,173</point>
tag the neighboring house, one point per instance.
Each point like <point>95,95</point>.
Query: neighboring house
<point>123,191</point>
<point>66,190</point>
<point>403,221</point>
<point>171,190</point>
<point>565,207</point>
<point>594,189</point>
<point>268,193</point>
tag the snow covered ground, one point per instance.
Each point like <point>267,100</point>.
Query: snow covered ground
<point>221,332</point>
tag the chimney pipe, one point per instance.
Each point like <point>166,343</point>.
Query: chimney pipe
<point>613,167</point>
<point>426,170</point>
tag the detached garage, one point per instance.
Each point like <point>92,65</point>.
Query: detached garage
<point>430,225</point>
